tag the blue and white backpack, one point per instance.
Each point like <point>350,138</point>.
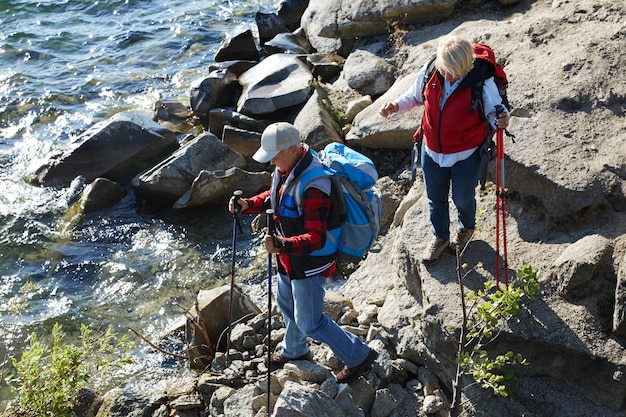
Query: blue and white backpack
<point>356,175</point>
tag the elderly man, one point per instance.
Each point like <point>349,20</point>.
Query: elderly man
<point>303,263</point>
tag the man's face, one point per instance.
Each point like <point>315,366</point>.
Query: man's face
<point>286,159</point>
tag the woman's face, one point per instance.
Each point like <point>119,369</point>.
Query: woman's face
<point>450,78</point>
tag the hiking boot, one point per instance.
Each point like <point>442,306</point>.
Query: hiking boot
<point>277,360</point>
<point>348,375</point>
<point>435,249</point>
<point>462,238</point>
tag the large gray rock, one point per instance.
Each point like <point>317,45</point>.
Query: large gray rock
<point>566,170</point>
<point>244,402</point>
<point>343,19</point>
<point>366,72</point>
<point>269,25</point>
<point>218,398</point>
<point>575,165</point>
<point>298,400</point>
<point>288,43</point>
<point>355,106</point>
<point>170,110</point>
<point>172,177</point>
<point>325,66</point>
<point>213,310</point>
<point>277,82</point>
<point>239,46</point>
<point>214,188</point>
<point>372,130</point>
<point>116,149</point>
<point>579,270</point>
<point>390,201</point>
<point>236,66</point>
<point>316,124</point>
<point>120,403</point>
<point>290,11</point>
<point>422,309</point>
<point>308,371</point>
<point>242,141</point>
<point>218,89</point>
<point>342,47</point>
<point>218,118</point>
<point>387,400</point>
<point>101,194</point>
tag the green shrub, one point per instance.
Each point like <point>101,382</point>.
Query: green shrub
<point>338,115</point>
<point>8,329</point>
<point>48,377</point>
<point>489,309</point>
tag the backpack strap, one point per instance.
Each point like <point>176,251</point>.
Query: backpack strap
<point>428,74</point>
<point>430,70</point>
<point>338,211</point>
<point>304,179</point>
<point>478,103</point>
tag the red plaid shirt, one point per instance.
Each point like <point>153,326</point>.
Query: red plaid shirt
<point>315,209</point>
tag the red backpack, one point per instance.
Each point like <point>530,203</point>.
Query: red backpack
<point>485,53</point>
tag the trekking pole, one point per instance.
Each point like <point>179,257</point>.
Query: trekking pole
<point>236,224</point>
<point>456,390</point>
<point>271,228</point>
<point>497,215</point>
<point>416,152</point>
<point>500,204</point>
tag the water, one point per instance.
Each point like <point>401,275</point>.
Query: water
<point>65,65</point>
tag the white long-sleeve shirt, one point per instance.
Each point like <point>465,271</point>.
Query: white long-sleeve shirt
<point>413,98</point>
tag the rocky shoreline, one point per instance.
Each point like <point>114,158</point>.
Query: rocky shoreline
<point>328,67</point>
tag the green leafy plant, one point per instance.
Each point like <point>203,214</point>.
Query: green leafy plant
<point>489,309</point>
<point>48,376</point>
<point>480,213</point>
<point>337,114</point>
<point>8,330</point>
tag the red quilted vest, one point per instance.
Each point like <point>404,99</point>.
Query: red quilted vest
<point>454,129</point>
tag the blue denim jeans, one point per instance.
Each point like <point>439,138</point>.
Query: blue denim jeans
<point>463,176</point>
<point>302,304</point>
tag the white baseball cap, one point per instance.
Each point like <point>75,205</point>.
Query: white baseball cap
<point>275,138</point>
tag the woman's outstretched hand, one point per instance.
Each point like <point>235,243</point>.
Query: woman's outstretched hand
<point>388,109</point>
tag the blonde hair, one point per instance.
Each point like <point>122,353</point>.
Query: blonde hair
<point>455,56</point>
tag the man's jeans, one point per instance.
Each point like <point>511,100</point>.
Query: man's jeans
<point>464,177</point>
<point>302,304</point>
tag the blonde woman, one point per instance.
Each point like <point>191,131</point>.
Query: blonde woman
<point>452,132</point>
